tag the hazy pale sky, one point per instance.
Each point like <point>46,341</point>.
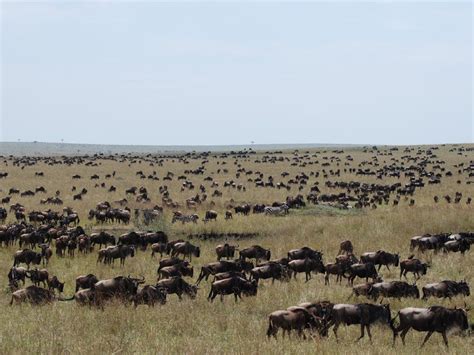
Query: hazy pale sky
<point>231,73</point>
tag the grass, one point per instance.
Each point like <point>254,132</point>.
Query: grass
<point>197,326</point>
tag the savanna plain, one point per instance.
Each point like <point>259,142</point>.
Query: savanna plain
<point>196,326</point>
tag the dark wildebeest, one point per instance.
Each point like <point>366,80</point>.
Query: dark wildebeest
<point>396,289</point>
<point>17,274</point>
<point>170,262</point>
<point>159,248</point>
<point>186,249</point>
<point>210,216</point>
<point>363,289</point>
<point>307,266</point>
<point>177,286</point>
<point>102,238</point>
<point>233,285</point>
<point>46,253</point>
<point>456,246</point>
<point>26,256</point>
<point>362,271</point>
<point>380,258</point>
<point>274,271</point>
<point>38,276</point>
<point>413,265</point>
<point>34,295</point>
<point>335,269</point>
<point>229,274</point>
<point>54,283</point>
<point>364,314</point>
<point>446,288</point>
<point>294,318</point>
<point>346,247</point>
<point>255,252</point>
<point>181,269</point>
<point>120,287</point>
<point>223,266</point>
<point>433,319</point>
<point>226,251</point>
<point>303,253</point>
<point>149,295</point>
<point>119,252</point>
<point>86,281</point>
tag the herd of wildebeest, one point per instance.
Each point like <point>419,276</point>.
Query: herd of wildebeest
<point>240,268</point>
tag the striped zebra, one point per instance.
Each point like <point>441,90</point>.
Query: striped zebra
<point>185,218</point>
<point>283,209</point>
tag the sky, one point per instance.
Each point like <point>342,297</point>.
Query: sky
<point>235,72</point>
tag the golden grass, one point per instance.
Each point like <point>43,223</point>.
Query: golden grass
<point>197,326</point>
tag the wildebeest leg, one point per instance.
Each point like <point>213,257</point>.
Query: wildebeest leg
<point>401,272</point>
<point>427,337</point>
<point>445,338</point>
<point>335,330</point>
<point>404,333</point>
<point>361,332</point>
<point>368,332</point>
<point>326,279</point>
<point>387,267</point>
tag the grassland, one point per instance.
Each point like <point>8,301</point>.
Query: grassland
<point>197,326</point>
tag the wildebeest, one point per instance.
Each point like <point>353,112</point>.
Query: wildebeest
<point>364,314</point>
<point>233,285</point>
<point>335,269</point>
<point>307,266</point>
<point>397,289</point>
<point>149,295</point>
<point>121,287</point>
<point>186,249</point>
<point>119,252</point>
<point>294,318</point>
<point>54,283</point>
<point>413,265</point>
<point>178,286</point>
<point>38,276</point>
<point>34,295</point>
<point>223,266</point>
<point>446,288</point>
<point>102,238</point>
<point>17,274</point>
<point>456,246</point>
<point>85,281</point>
<point>26,256</point>
<point>226,251</point>
<point>159,248</point>
<point>274,271</point>
<point>255,252</point>
<point>303,253</point>
<point>346,247</point>
<point>181,269</point>
<point>210,216</point>
<point>380,258</point>
<point>362,271</point>
<point>433,319</point>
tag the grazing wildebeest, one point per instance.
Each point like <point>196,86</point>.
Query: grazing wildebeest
<point>380,258</point>
<point>233,285</point>
<point>102,238</point>
<point>186,249</point>
<point>294,318</point>
<point>226,251</point>
<point>121,287</point>
<point>307,266</point>
<point>397,289</point>
<point>181,269</point>
<point>149,295</point>
<point>54,283</point>
<point>413,265</point>
<point>362,271</point>
<point>446,288</point>
<point>433,319</point>
<point>86,281</point>
<point>364,314</point>
<point>177,286</point>
<point>26,256</point>
<point>255,252</point>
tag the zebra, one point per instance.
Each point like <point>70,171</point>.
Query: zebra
<point>283,209</point>
<point>185,218</point>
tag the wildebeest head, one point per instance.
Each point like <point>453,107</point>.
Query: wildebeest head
<point>463,288</point>
<point>396,259</point>
<point>413,291</point>
<point>197,252</point>
<point>250,288</point>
